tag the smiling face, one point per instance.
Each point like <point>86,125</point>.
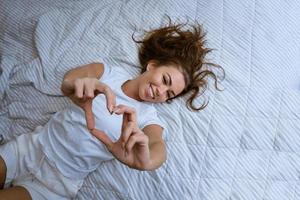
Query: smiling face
<point>160,83</point>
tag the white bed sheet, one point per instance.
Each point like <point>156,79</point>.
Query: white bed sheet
<point>244,145</point>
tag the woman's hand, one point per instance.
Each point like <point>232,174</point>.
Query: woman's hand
<point>82,91</point>
<point>132,147</point>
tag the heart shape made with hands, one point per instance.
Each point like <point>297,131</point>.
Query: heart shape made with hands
<point>132,146</point>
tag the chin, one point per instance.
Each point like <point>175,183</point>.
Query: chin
<point>150,100</point>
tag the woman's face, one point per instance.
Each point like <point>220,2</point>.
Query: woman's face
<point>160,83</point>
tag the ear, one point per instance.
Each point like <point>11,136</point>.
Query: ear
<point>151,65</point>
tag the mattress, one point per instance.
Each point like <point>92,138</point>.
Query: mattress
<point>243,146</point>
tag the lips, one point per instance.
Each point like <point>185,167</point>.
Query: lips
<point>150,91</point>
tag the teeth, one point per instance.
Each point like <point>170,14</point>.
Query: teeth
<point>151,92</point>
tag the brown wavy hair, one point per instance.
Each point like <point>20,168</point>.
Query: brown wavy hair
<point>182,44</point>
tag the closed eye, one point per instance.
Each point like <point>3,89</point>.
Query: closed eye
<point>164,80</point>
<point>168,81</point>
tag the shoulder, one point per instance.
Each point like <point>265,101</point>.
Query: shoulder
<point>148,115</point>
<point>114,70</point>
<point>149,122</point>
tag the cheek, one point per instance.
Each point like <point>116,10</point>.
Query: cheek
<point>154,77</point>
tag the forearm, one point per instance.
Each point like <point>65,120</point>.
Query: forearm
<point>158,155</point>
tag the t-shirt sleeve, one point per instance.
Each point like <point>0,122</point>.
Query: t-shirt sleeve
<point>107,70</point>
<point>149,116</point>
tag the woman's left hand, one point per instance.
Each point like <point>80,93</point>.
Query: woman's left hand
<point>132,148</point>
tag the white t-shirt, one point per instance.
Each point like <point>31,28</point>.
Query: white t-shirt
<point>67,142</point>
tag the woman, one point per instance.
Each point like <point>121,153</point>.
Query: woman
<point>52,162</point>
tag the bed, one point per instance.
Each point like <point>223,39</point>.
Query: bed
<point>244,146</point>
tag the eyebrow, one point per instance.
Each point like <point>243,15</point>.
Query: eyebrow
<point>170,83</point>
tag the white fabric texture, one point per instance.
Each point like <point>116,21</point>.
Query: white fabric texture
<point>27,166</point>
<point>244,145</point>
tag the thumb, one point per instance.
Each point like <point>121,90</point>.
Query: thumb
<point>100,135</point>
<point>89,116</point>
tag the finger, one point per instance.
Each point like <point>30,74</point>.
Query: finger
<point>109,95</point>
<point>125,122</point>
<point>78,84</point>
<point>89,115</point>
<point>126,132</point>
<point>128,112</point>
<point>110,99</point>
<point>128,115</point>
<point>69,87</point>
<point>89,89</point>
<point>140,139</point>
<point>100,135</point>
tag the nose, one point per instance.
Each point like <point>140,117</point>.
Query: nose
<point>161,90</point>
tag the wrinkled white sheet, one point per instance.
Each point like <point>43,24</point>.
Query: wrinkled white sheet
<point>244,145</point>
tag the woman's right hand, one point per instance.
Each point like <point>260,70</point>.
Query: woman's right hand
<point>82,91</point>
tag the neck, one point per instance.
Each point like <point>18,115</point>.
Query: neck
<point>130,88</point>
